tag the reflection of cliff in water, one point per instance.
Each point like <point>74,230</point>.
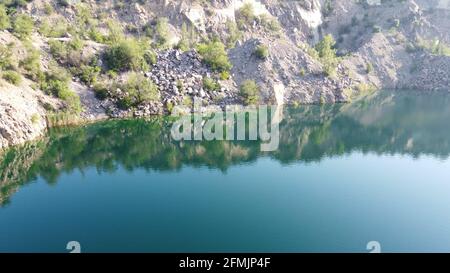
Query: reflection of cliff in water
<point>383,124</point>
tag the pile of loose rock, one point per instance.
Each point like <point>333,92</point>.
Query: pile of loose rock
<point>179,75</point>
<point>433,73</point>
<point>179,78</point>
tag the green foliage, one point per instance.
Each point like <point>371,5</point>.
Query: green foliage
<point>161,33</point>
<point>139,90</point>
<point>101,91</point>
<point>6,61</point>
<point>126,55</point>
<point>55,29</point>
<point>56,82</point>
<point>234,34</point>
<point>23,26</point>
<point>188,38</point>
<point>270,23</point>
<point>262,52</point>
<point>88,74</point>
<point>210,84</point>
<point>31,63</point>
<point>224,75</point>
<point>245,15</point>
<point>369,68</point>
<point>326,53</point>
<point>115,32</point>
<point>35,118</point>
<point>12,77</point>
<point>249,91</point>
<point>214,55</point>
<point>48,9</point>
<point>4,18</point>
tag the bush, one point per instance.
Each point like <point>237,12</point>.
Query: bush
<point>126,55</point>
<point>224,75</point>
<point>161,34</point>
<point>369,68</point>
<point>56,83</point>
<point>101,91</point>
<point>234,34</point>
<point>210,84</point>
<point>249,91</point>
<point>139,89</point>
<point>4,18</point>
<point>88,74</point>
<point>262,52</point>
<point>23,26</point>
<point>31,63</point>
<point>12,77</point>
<point>215,56</point>
<point>6,61</point>
<point>246,15</point>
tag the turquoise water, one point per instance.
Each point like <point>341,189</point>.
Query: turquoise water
<point>344,175</point>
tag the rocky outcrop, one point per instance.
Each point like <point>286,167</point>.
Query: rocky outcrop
<point>287,68</point>
<point>22,115</point>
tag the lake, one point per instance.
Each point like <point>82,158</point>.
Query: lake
<point>344,175</point>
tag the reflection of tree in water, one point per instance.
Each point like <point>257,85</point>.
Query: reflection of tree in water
<point>383,124</point>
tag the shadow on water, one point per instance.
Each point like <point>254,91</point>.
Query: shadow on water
<point>385,123</point>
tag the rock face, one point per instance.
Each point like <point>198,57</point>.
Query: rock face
<point>22,116</point>
<point>288,70</point>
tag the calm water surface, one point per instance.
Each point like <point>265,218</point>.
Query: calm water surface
<point>344,175</point>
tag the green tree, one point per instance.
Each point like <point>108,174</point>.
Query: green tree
<point>327,54</point>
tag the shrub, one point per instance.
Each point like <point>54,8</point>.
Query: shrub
<point>31,63</point>
<point>161,34</point>
<point>12,77</point>
<point>210,84</point>
<point>4,18</point>
<point>56,83</point>
<point>369,68</point>
<point>88,74</point>
<point>140,90</point>
<point>188,38</point>
<point>48,9</point>
<point>234,34</point>
<point>270,23</point>
<point>6,61</point>
<point>101,91</point>
<point>35,118</point>
<point>55,29</point>
<point>126,55</point>
<point>215,56</point>
<point>262,52</point>
<point>249,91</point>
<point>23,26</point>
<point>224,75</point>
<point>246,15</point>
